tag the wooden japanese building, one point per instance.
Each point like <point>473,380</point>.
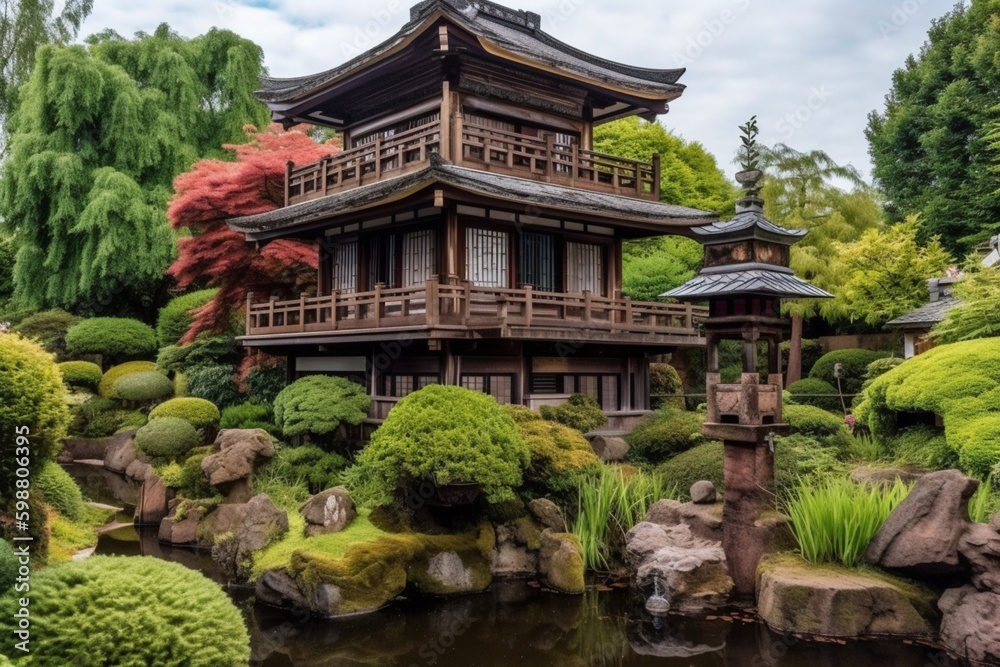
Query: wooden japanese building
<point>469,234</point>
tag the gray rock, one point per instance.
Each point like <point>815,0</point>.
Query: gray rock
<point>181,532</point>
<point>922,535</point>
<point>835,602</point>
<point>448,570</point>
<point>153,499</point>
<point>609,448</point>
<point>970,627</point>
<point>705,521</point>
<point>560,562</point>
<point>255,525</point>
<point>512,557</point>
<point>703,493</point>
<point>138,469</point>
<point>231,467</point>
<point>548,514</point>
<point>885,476</point>
<point>995,522</point>
<point>329,511</point>
<point>980,546</point>
<point>120,452</point>
<point>665,512</point>
<point>278,589</point>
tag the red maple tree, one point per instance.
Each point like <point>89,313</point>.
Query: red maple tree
<point>214,191</point>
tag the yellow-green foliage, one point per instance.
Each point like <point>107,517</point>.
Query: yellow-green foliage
<point>175,318</point>
<point>130,611</point>
<point>449,434</point>
<point>169,437</point>
<point>81,373</point>
<point>48,329</point>
<point>196,411</point>
<point>32,404</point>
<point>68,536</point>
<point>106,387</point>
<point>111,336</point>
<point>817,423</point>
<point>334,545</point>
<point>144,387</point>
<point>59,490</point>
<point>961,383</point>
<point>581,412</point>
<point>665,434</point>
<point>559,455</point>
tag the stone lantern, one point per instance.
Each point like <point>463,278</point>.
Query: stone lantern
<point>744,279</point>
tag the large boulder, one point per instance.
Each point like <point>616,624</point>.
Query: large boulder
<point>255,525</point>
<point>980,547</point>
<point>560,562</point>
<point>796,597</point>
<point>548,514</point>
<point>690,571</point>
<point>120,451</point>
<point>516,549</point>
<point>450,572</point>
<point>328,511</point>
<point>609,448</point>
<point>922,535</point>
<point>154,498</point>
<point>705,521</point>
<point>231,467</point>
<point>970,627</point>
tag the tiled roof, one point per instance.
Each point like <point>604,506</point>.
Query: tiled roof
<point>770,282</point>
<point>746,224</point>
<point>926,315</point>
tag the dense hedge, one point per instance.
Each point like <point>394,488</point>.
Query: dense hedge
<point>144,387</point>
<point>48,329</point>
<point>854,367</point>
<point>32,402</point>
<point>815,386</point>
<point>196,411</point>
<point>213,382</point>
<point>265,381</point>
<point>311,464</point>
<point>59,490</point>
<point>205,351</point>
<point>664,379</point>
<point>664,435</point>
<point>101,417</point>
<point>318,404</point>
<point>448,434</point>
<point>129,611</point>
<point>560,455</point>
<point>106,387</point>
<point>581,412</point>
<point>923,446</point>
<point>249,415</point>
<point>175,318</point>
<point>817,423</point>
<point>168,437</point>
<point>960,382</point>
<point>113,337</point>
<point>81,374</point>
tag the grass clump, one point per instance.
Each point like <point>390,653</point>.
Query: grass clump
<point>833,521</point>
<point>808,391</point>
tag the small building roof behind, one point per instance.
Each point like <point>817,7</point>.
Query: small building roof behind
<point>926,316</point>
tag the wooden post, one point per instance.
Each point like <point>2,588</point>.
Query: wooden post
<point>628,311</point>
<point>433,306</point>
<point>247,326</point>
<point>458,136</point>
<point>378,157</point>
<point>445,148</point>
<point>550,154</point>
<point>270,311</point>
<point>466,301</point>
<point>688,315</point>
<point>333,309</point>
<point>302,313</point>
<point>587,304</point>
<point>288,180</point>
<point>378,304</point>
<point>574,165</point>
<point>656,176</point>
<point>529,305</point>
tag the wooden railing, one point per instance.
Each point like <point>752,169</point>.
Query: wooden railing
<point>478,148</point>
<point>467,307</point>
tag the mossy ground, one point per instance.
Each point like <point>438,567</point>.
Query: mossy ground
<point>68,536</point>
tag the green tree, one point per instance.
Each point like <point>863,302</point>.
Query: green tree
<point>26,25</point>
<point>653,266</point>
<point>99,133</point>
<point>802,191</point>
<point>887,272</point>
<point>978,314</point>
<point>931,143</point>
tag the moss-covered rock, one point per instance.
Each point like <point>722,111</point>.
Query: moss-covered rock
<point>560,562</point>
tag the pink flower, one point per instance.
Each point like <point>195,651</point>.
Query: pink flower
<point>850,421</point>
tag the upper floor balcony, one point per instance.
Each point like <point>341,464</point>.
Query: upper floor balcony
<point>546,159</point>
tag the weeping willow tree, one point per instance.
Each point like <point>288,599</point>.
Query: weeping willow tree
<point>99,133</point>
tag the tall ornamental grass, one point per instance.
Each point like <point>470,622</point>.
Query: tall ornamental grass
<point>609,504</point>
<point>833,521</point>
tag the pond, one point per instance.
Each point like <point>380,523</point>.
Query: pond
<point>513,623</point>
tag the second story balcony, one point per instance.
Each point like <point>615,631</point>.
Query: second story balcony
<point>489,149</point>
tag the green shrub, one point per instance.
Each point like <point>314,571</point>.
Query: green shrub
<point>855,366</point>
<point>59,490</point>
<point>663,379</point>
<point>978,443</point>
<point>144,387</point>
<point>318,404</point>
<point>449,434</point>
<point>8,566</point>
<point>113,337</point>
<point>106,387</point>
<point>130,611</point>
<point>881,367</point>
<point>249,415</point>
<point>817,423</point>
<point>204,351</point>
<point>701,462</point>
<point>581,412</point>
<point>665,434</point>
<point>265,382</point>
<point>560,455</point>
<point>186,476</point>
<point>833,521</point>
<point>802,389</point>
<point>196,411</point>
<point>81,374</point>
<point>214,383</point>
<point>48,329</point>
<point>923,446</point>
<point>102,417</point>
<point>175,318</point>
<point>33,411</point>
<point>317,468</point>
<point>168,437</point>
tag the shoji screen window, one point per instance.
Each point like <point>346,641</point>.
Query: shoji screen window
<point>487,257</point>
<point>584,267</point>
<point>344,258</point>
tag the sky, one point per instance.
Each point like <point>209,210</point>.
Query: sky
<point>811,71</point>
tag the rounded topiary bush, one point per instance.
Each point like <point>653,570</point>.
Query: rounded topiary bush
<point>664,379</point>
<point>175,318</point>
<point>817,423</point>
<point>33,412</point>
<point>168,437</point>
<point>81,374</point>
<point>48,328</point>
<point>581,412</point>
<point>447,434</point>
<point>59,490</point>
<point>143,387</point>
<point>854,366</point>
<point>318,404</point>
<point>130,611</point>
<point>703,462</point>
<point>8,566</point>
<point>106,387</point>
<point>196,411</point>
<point>560,455</point>
<point>114,337</point>
<point>665,434</point>
<point>804,393</point>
